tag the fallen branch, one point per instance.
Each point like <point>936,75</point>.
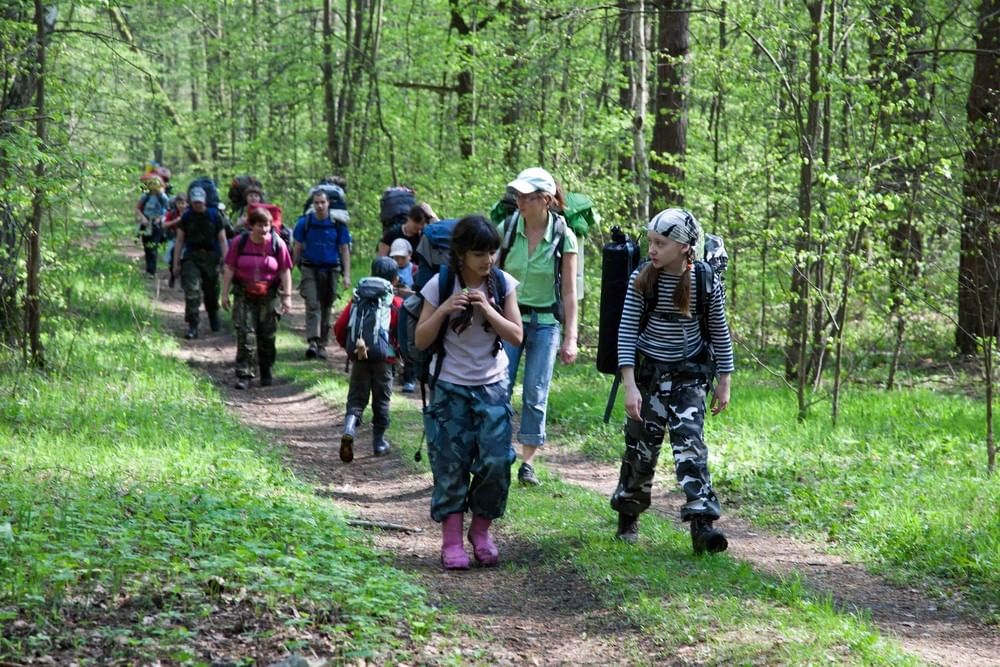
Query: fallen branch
<point>382,525</point>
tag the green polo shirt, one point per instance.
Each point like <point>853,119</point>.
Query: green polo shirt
<point>536,274</point>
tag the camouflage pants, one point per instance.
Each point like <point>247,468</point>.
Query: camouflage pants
<point>674,403</point>
<point>318,288</point>
<point>372,378</point>
<point>256,324</point>
<point>200,275</point>
<point>469,433</point>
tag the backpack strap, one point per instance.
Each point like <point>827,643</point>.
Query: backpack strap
<point>704,284</point>
<point>509,231</point>
<point>446,282</point>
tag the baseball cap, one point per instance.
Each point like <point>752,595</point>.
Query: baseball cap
<point>385,267</point>
<point>534,179</point>
<point>400,248</point>
<point>197,194</point>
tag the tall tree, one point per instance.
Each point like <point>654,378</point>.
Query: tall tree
<point>979,262</point>
<point>672,81</point>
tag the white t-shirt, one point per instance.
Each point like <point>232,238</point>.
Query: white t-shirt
<point>468,358</point>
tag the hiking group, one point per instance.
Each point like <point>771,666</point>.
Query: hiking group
<point>456,305</point>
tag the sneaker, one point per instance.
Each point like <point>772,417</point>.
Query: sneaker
<point>706,538</point>
<point>192,332</point>
<point>321,351</point>
<point>312,350</point>
<point>242,383</point>
<point>409,387</point>
<point>628,528</point>
<point>526,475</point>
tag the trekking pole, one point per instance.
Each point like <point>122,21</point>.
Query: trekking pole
<point>420,446</point>
<point>612,395</point>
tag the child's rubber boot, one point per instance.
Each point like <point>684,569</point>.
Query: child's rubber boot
<point>706,538</point>
<point>347,439</point>
<point>380,446</point>
<point>483,547</point>
<point>628,528</point>
<point>453,556</point>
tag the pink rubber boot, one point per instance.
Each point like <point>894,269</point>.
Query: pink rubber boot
<point>453,556</point>
<point>483,547</point>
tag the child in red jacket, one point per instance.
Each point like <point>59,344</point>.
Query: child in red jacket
<point>367,330</point>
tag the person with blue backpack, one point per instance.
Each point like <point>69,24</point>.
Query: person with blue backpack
<point>539,249</point>
<point>469,309</point>
<point>322,251</point>
<point>673,340</point>
<point>366,330</point>
<point>150,213</point>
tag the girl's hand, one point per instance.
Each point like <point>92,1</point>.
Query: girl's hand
<point>454,303</point>
<point>633,402</point>
<point>720,397</point>
<point>286,304</point>
<point>225,301</point>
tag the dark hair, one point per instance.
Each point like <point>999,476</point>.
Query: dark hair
<point>260,214</point>
<point>418,214</point>
<point>474,233</point>
<point>319,191</point>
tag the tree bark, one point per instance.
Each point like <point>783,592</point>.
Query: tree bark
<point>980,247</point>
<point>329,102</point>
<point>638,104</point>
<point>670,124</point>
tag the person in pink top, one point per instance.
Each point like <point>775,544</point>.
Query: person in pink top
<point>258,267</point>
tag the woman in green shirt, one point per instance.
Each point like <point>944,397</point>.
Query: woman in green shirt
<point>542,250</point>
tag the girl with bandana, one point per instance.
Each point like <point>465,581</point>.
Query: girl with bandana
<point>667,368</point>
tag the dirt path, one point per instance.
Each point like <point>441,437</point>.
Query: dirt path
<point>550,616</point>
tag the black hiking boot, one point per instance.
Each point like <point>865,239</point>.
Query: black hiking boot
<point>347,439</point>
<point>706,538</point>
<point>380,446</point>
<point>312,350</point>
<point>266,379</point>
<point>192,332</point>
<point>628,528</point>
<point>213,321</point>
<point>526,475</point>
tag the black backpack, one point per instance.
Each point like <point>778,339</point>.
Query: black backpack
<point>395,204</point>
<point>368,326</point>
<point>211,192</point>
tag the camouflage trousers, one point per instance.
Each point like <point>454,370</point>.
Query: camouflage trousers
<point>318,288</point>
<point>469,435</point>
<point>372,378</point>
<point>256,324</point>
<point>674,403</point>
<point>200,276</point>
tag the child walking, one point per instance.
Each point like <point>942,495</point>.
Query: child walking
<point>367,330</point>
<point>469,308</point>
<point>667,362</point>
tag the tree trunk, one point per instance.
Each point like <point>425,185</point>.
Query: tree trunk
<point>639,103</point>
<point>329,103</point>
<point>980,248</point>
<point>670,124</point>
<point>626,90</point>
<point>33,293</point>
<point>798,321</point>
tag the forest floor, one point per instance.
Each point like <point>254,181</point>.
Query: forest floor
<point>553,615</point>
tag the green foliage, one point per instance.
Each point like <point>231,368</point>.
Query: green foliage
<point>126,489</point>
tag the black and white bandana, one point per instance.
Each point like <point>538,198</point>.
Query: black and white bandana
<point>676,224</point>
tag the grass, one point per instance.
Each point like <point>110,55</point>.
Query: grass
<point>901,482</point>
<point>138,520</point>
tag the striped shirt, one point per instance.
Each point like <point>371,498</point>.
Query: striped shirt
<point>673,341</point>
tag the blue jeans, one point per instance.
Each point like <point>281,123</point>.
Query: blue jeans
<point>541,344</point>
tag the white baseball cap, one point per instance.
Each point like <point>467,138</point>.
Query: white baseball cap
<point>534,179</point>
<point>400,248</point>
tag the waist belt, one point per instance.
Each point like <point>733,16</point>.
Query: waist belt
<point>316,265</point>
<point>701,366</point>
<point>528,310</point>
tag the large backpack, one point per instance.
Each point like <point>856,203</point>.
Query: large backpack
<point>368,326</point>
<point>211,192</point>
<point>238,191</point>
<point>337,198</point>
<point>619,258</point>
<point>433,250</point>
<point>395,204</point>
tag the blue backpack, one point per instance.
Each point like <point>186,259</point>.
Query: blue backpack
<point>432,251</point>
<point>368,326</point>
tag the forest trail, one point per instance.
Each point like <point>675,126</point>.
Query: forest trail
<point>552,616</point>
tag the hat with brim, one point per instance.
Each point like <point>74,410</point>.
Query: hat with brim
<point>534,179</point>
<point>197,194</point>
<point>400,248</point>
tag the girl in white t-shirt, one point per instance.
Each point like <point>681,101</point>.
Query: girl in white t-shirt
<point>468,421</point>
